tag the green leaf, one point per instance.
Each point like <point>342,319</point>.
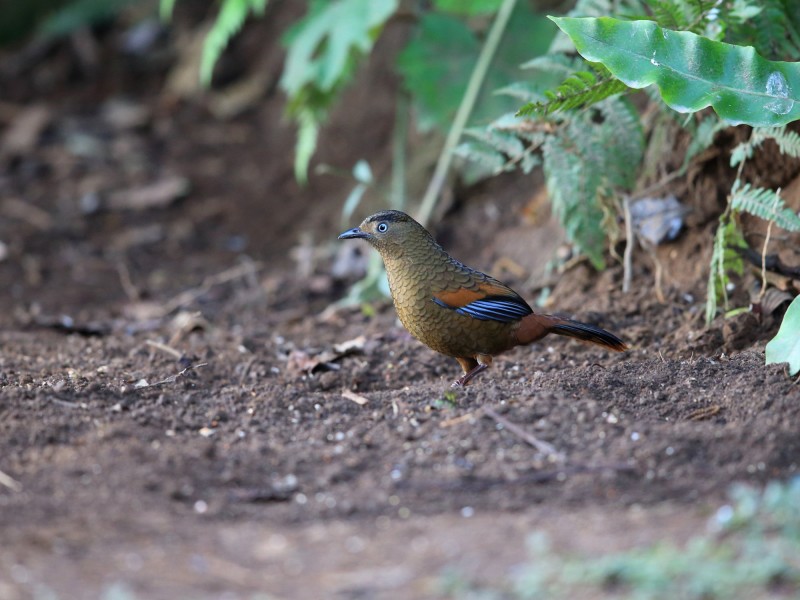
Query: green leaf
<point>785,347</point>
<point>165,9</point>
<point>702,138</point>
<point>437,63</point>
<point>597,150</point>
<point>362,172</point>
<point>307,133</point>
<point>771,26</point>
<point>468,8</point>
<point>580,89</point>
<point>322,52</point>
<point>504,142</point>
<point>80,13</point>
<point>724,260</point>
<point>741,11</point>
<point>480,161</point>
<point>572,189</point>
<point>320,46</point>
<point>764,203</point>
<point>543,73</point>
<point>788,142</point>
<point>507,143</point>
<point>232,15</point>
<point>691,71</point>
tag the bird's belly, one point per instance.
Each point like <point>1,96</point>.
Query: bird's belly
<point>450,333</point>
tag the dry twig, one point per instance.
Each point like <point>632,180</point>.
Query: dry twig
<point>457,420</point>
<point>10,482</point>
<point>172,378</point>
<point>357,398</point>
<point>186,297</point>
<point>627,257</point>
<point>704,413</point>
<point>529,438</point>
<point>176,354</point>
<point>125,280</point>
<point>764,249</point>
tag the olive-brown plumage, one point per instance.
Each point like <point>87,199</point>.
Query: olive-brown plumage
<point>456,310</point>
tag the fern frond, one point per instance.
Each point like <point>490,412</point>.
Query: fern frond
<point>505,144</point>
<point>725,260</point>
<point>685,15</point>
<point>572,188</point>
<point>592,8</point>
<point>165,9</point>
<point>788,142</point>
<point>596,150</point>
<point>583,8</point>
<point>775,35</point>
<point>700,12</point>
<point>232,15</point>
<point>578,90</point>
<point>528,130</point>
<point>484,160</point>
<point>765,204</point>
<point>552,63</point>
<point>671,15</point>
<point>740,11</point>
<point>616,131</point>
<point>742,151</point>
<point>703,137</point>
<point>501,141</point>
<point>521,90</point>
<point>771,26</point>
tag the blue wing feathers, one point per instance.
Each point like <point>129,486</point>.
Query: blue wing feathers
<point>493,308</point>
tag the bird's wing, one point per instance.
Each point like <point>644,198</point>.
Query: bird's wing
<point>487,301</point>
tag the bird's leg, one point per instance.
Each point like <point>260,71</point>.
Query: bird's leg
<point>471,367</point>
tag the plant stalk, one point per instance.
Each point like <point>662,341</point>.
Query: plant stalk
<point>464,110</point>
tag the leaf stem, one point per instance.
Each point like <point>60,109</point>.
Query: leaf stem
<point>464,110</point>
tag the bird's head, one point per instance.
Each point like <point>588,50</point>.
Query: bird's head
<point>389,231</point>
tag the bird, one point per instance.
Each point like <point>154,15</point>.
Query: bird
<point>453,309</point>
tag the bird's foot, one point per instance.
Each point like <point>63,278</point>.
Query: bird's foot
<point>464,380</point>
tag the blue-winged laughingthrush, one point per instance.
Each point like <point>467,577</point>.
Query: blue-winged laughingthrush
<point>456,310</point>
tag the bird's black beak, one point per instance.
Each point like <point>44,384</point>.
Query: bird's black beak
<point>354,233</point>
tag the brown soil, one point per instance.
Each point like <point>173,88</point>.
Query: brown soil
<point>238,465</point>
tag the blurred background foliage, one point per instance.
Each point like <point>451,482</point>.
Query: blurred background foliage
<point>511,93</point>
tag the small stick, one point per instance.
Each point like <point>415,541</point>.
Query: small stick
<point>246,370</point>
<point>704,413</point>
<point>763,289</point>
<point>10,482</point>
<point>125,280</point>
<point>541,446</point>
<point>238,272</point>
<point>174,378</point>
<point>659,274</point>
<point>658,184</point>
<point>456,420</point>
<point>627,257</point>
<point>357,398</point>
<point>67,403</point>
<point>164,348</point>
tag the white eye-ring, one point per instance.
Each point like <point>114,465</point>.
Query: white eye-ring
<point>382,227</point>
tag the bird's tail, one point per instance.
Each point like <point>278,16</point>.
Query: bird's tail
<point>534,327</point>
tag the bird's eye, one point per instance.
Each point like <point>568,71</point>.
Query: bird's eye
<point>382,227</point>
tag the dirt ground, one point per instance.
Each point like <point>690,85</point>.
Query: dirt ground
<point>181,415</point>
